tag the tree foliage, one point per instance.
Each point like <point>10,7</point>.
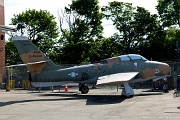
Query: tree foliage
<point>172,35</point>
<point>169,12</point>
<point>39,26</point>
<point>84,22</point>
<point>135,25</point>
<point>12,56</point>
<point>89,17</point>
<point>81,34</point>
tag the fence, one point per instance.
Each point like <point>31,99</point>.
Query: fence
<point>19,78</point>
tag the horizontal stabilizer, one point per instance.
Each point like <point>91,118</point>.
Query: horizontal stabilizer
<point>118,77</point>
<point>33,63</point>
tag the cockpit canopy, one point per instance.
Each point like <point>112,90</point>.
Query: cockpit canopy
<point>131,57</point>
<point>128,57</point>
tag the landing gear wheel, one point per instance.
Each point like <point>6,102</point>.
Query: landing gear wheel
<point>84,89</point>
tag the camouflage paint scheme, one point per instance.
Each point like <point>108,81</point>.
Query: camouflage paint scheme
<point>86,74</point>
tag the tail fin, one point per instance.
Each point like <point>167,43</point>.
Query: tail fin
<point>29,53</point>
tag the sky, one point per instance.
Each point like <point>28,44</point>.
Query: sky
<point>53,6</point>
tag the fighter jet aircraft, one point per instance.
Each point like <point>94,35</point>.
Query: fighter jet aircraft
<point>125,69</point>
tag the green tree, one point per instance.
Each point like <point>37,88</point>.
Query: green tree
<point>104,48</point>
<point>121,15</point>
<point>155,47</point>
<point>172,35</point>
<point>12,56</point>
<point>89,20</point>
<point>169,12</point>
<point>135,25</point>
<point>84,22</point>
<point>39,26</point>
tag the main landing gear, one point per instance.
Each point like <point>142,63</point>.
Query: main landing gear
<point>83,88</point>
<point>127,90</point>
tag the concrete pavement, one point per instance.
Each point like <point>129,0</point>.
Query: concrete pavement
<point>98,104</point>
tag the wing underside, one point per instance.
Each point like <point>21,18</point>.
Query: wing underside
<point>115,78</point>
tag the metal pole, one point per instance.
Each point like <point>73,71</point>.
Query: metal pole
<point>177,56</point>
<point>117,87</point>
<point>177,51</point>
<point>11,74</point>
<point>7,80</point>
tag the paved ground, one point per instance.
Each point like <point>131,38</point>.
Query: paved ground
<point>98,104</point>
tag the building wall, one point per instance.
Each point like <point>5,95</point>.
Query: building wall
<point>2,41</point>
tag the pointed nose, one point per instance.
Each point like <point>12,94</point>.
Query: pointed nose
<point>164,68</point>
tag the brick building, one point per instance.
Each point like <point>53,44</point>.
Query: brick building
<point>2,42</point>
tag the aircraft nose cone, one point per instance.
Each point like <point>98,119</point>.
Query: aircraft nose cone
<point>164,68</point>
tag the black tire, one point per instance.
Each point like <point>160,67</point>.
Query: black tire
<point>80,87</point>
<point>84,89</point>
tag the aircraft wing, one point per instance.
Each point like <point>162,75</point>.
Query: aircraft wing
<point>118,77</point>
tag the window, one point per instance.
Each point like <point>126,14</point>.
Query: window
<point>136,57</point>
<point>124,58</point>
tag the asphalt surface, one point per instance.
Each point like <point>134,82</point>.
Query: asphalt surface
<point>98,104</point>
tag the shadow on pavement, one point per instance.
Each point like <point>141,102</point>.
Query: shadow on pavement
<point>90,99</point>
<point>148,94</point>
<point>150,90</point>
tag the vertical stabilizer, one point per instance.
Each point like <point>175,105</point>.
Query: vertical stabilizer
<point>29,53</point>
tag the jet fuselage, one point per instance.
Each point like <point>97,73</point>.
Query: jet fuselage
<point>89,73</point>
